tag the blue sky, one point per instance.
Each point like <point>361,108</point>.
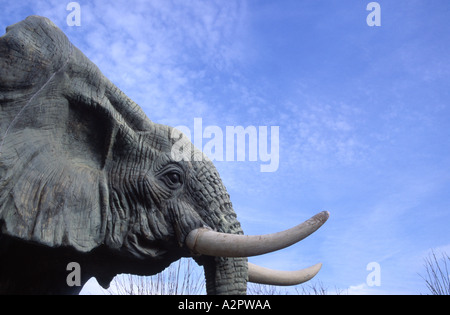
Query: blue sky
<point>363,115</point>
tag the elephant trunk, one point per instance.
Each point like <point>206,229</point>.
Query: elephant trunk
<point>214,210</point>
<point>226,275</point>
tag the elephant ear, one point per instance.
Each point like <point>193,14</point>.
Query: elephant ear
<point>60,124</point>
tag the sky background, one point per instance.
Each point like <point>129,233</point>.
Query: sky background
<point>363,114</point>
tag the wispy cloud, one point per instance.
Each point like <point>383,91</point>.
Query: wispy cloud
<point>163,54</point>
<point>364,289</point>
<point>318,131</point>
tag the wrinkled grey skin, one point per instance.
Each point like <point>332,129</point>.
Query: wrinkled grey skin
<point>85,176</point>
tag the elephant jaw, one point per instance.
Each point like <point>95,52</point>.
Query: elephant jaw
<point>207,242</point>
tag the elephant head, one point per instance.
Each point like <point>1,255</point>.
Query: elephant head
<point>85,176</point>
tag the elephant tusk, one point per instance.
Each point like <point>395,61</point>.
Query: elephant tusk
<point>258,274</point>
<point>207,242</point>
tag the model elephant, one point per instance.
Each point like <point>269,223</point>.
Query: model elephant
<point>86,177</point>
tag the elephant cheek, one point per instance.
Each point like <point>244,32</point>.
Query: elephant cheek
<point>226,276</point>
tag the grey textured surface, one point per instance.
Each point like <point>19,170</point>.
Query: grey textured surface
<point>85,176</point>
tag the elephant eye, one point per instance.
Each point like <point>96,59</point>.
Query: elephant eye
<point>172,179</point>
<point>171,175</point>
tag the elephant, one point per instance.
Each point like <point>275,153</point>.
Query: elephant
<point>87,177</point>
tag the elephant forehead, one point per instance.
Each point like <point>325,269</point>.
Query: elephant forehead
<point>161,137</point>
<point>176,144</point>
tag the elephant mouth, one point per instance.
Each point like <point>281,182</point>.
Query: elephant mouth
<point>204,241</point>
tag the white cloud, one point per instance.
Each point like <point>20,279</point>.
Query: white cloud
<point>364,289</point>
